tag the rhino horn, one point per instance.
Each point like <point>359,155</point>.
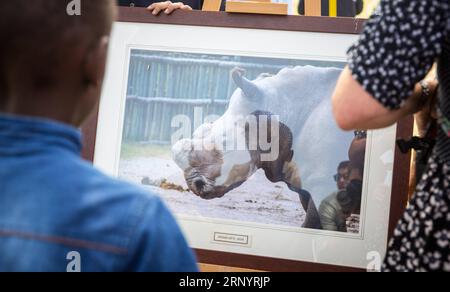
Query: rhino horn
<point>249,88</point>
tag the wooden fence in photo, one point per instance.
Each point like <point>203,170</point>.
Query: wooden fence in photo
<point>149,120</point>
<point>162,85</point>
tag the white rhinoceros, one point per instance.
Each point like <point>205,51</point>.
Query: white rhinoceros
<point>309,145</point>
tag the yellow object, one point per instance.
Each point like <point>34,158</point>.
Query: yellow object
<point>333,8</point>
<point>211,5</point>
<point>369,7</point>
<point>257,7</point>
<point>313,7</point>
<point>295,4</point>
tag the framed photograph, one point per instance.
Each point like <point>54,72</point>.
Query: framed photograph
<point>228,119</point>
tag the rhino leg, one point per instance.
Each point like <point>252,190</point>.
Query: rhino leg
<point>312,220</point>
<point>291,176</point>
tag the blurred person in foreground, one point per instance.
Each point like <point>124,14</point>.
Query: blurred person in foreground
<point>53,204</point>
<point>383,83</point>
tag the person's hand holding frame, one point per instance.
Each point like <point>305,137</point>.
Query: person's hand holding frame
<point>168,7</point>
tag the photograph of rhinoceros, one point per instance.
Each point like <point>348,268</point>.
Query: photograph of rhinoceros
<point>237,138</point>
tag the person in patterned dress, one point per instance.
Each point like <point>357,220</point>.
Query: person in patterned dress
<point>384,83</point>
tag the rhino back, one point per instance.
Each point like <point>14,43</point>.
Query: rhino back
<point>319,149</point>
<point>294,93</point>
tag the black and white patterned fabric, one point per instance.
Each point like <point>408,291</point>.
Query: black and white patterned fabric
<point>399,45</point>
<point>421,240</point>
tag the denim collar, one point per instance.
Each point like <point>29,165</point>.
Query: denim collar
<point>20,135</point>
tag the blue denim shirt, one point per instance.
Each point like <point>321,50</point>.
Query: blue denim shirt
<point>52,203</point>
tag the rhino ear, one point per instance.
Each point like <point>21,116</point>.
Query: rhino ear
<point>249,88</point>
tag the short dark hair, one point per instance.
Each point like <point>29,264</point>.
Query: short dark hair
<point>36,36</point>
<point>343,164</point>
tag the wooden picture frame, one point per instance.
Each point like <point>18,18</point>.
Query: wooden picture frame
<point>401,168</point>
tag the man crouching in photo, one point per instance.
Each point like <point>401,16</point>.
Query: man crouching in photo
<point>57,213</point>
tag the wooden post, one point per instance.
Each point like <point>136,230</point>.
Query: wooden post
<point>257,7</point>
<point>212,5</point>
<point>313,7</point>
